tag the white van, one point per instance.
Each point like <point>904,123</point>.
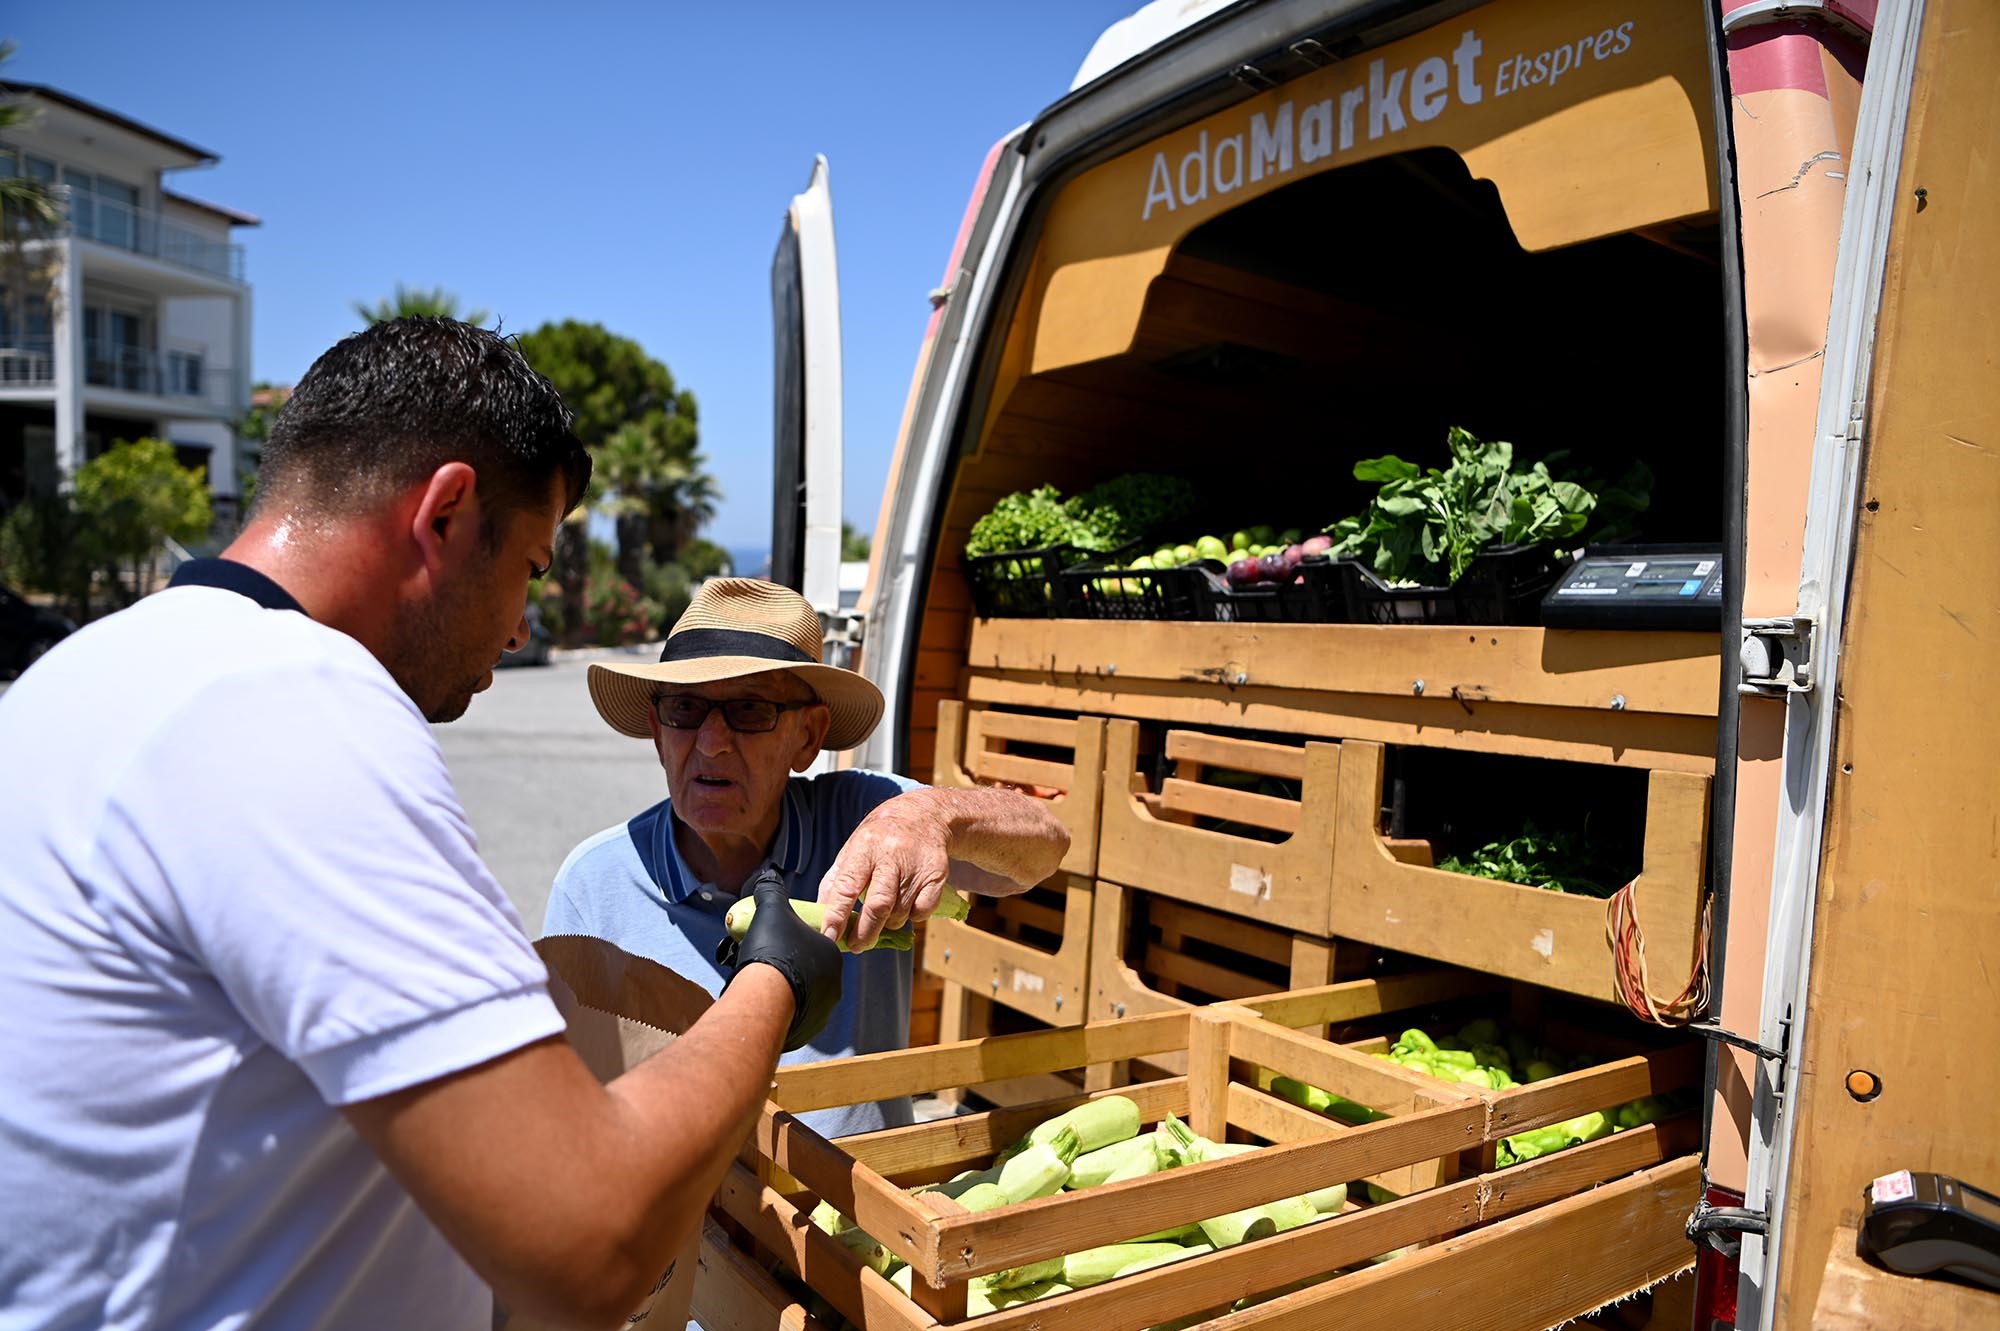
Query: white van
<point>1751,244</point>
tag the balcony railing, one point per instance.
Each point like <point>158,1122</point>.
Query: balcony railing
<point>27,362</point>
<point>123,227</point>
<point>169,374</point>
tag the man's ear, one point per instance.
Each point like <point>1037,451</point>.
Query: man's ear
<point>818,720</point>
<point>447,514</point>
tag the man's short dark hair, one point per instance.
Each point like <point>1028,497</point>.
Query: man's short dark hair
<point>388,406</point>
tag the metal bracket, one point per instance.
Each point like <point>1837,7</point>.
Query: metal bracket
<point>1708,1031</point>
<point>841,635</point>
<point>1775,658</point>
<point>1253,78</point>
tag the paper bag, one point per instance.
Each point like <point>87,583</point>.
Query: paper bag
<point>622,1010</point>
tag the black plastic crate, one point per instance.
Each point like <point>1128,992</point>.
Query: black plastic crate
<point>1503,585</point>
<point>1018,584</point>
<point>1098,590</point>
<point>1263,603</point>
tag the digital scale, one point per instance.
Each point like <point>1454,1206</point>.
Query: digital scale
<point>1924,1224</point>
<point>1639,587</point>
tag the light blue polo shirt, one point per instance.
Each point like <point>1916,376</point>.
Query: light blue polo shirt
<point>629,884</point>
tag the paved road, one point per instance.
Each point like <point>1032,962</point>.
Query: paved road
<point>538,772</point>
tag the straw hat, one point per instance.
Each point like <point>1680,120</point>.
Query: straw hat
<point>735,628</point>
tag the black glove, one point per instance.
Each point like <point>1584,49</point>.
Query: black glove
<point>807,959</point>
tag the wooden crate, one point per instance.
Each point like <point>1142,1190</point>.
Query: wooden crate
<point>996,957</point>
<point>1527,1215</point>
<point>1287,882</point>
<point>1543,938</point>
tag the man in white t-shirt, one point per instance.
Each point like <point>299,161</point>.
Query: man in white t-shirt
<point>277,1052</point>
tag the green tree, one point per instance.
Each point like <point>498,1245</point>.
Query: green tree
<point>134,496</point>
<point>410,300</point>
<point>616,389</point>
<point>109,527</point>
<point>853,544</point>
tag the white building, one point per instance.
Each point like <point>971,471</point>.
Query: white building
<point>146,328</point>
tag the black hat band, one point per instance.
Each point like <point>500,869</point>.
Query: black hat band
<point>696,644</point>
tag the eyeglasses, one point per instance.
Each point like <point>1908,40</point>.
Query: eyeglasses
<point>687,711</point>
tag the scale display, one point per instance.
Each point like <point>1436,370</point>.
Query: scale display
<point>1639,587</point>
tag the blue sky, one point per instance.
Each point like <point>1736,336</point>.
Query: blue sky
<point>626,164</point>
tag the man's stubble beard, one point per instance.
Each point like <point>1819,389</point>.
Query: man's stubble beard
<point>424,660</point>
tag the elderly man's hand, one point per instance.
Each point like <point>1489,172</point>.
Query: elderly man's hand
<point>892,870</point>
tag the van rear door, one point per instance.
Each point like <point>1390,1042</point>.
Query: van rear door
<point>806,481</point>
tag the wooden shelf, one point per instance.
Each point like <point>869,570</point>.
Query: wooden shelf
<point>1630,699</point>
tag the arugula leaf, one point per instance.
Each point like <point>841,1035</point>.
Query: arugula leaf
<point>1554,861</point>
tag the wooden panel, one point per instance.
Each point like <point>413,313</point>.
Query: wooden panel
<point>1353,1000</point>
<point>1202,976</point>
<point>961,738</point>
<point>1287,761</point>
<point>857,1292</point>
<point>1860,1296</point>
<point>1544,938</point>
<point>1286,883</point>
<point>1246,936</point>
<point>1016,770</point>
<point>1052,987</point>
<point>733,1293</point>
<point>1632,1229</point>
<point>1029,914</point>
<point>1230,805</point>
<point>1668,673</point>
<point>1907,924</point>
<point>848,1081</point>
<point>1669,743</point>
<point>1055,732</point>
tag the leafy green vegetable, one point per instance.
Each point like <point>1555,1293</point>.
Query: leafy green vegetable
<point>1029,520</point>
<point>1556,861</point>
<point>1427,525</point>
<point>1128,507</point>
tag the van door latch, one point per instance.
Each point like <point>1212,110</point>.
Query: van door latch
<point>1775,658</point>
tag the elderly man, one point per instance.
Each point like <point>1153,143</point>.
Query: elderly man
<point>737,704</point>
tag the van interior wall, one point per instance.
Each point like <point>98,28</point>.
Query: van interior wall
<point>1359,312</point>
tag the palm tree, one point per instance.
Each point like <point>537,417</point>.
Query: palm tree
<point>632,462</point>
<point>684,501</point>
<point>409,300</point>
<point>28,213</point>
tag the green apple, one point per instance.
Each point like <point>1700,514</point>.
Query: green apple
<point>1210,547</point>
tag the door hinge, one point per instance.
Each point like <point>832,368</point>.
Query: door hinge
<point>842,632</point>
<point>1775,658</point>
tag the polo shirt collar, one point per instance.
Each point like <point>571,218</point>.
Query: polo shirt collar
<point>231,576</point>
<point>790,849</point>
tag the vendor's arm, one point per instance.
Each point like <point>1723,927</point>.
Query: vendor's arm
<point>568,1196</point>
<point>896,864</point>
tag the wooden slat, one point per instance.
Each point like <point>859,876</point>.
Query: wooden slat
<point>957,1141</point>
<point>897,1220</point>
<point>1274,1118</point>
<point>848,1081</point>
<point>1633,1230</point>
<point>1051,731</point>
<point>1669,673</point>
<point>733,1293</point>
<point>1202,976</point>
<point>1571,734</point>
<point>823,1263</point>
<point>994,766</point>
<point>1286,761</point>
<point>1035,1230</point>
<point>1560,1098</point>
<point>1372,1081</point>
<point>1225,931</point>
<point>1353,1000</point>
<point>1236,806</point>
<point>1029,914</point>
